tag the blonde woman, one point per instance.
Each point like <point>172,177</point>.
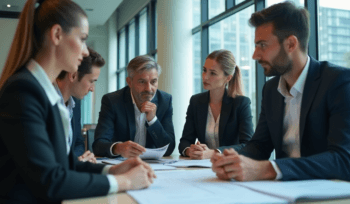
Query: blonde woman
<point>219,118</point>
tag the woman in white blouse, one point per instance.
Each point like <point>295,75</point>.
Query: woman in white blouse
<point>219,118</point>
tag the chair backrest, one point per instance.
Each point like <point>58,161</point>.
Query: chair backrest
<point>90,137</point>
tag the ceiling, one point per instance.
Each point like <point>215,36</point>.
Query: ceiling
<point>98,11</point>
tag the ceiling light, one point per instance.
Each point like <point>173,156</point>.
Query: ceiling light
<point>8,5</point>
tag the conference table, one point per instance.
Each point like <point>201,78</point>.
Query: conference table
<point>124,198</point>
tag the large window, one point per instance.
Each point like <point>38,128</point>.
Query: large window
<point>121,59</point>
<point>143,33</point>
<point>334,32</point>
<point>136,38</point>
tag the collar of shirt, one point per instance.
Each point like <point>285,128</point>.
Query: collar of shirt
<point>71,103</point>
<point>298,87</point>
<point>40,75</point>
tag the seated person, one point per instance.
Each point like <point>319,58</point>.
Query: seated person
<point>78,85</point>
<point>218,118</point>
<point>136,116</point>
<point>37,164</point>
<point>305,111</point>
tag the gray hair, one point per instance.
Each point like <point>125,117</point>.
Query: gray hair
<point>142,63</point>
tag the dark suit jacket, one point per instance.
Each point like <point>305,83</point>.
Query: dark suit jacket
<point>235,126</point>
<point>324,126</point>
<point>78,140</point>
<point>34,164</point>
<point>117,122</point>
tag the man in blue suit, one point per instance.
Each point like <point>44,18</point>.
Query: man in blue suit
<point>305,111</point>
<point>72,87</point>
<point>136,116</point>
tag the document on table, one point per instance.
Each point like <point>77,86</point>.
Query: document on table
<point>202,186</point>
<point>301,190</point>
<point>192,163</point>
<point>197,187</point>
<point>155,167</point>
<point>157,153</point>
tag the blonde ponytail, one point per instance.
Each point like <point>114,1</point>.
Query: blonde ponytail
<point>235,87</point>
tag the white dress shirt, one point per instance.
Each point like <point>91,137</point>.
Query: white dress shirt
<point>41,76</point>
<point>70,106</point>
<point>291,120</point>
<point>141,130</point>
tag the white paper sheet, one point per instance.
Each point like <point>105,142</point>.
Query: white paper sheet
<point>197,186</point>
<point>157,153</point>
<point>192,163</point>
<point>301,190</point>
<point>155,167</point>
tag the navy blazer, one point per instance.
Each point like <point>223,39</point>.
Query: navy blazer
<point>34,164</point>
<point>324,126</point>
<point>78,139</point>
<point>116,122</point>
<point>235,126</point>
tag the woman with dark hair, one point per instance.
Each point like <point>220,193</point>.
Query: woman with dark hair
<point>219,118</point>
<point>37,165</point>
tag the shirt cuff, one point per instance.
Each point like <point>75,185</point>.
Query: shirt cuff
<point>277,170</point>
<point>152,121</point>
<point>218,150</point>
<point>113,183</point>
<point>183,152</point>
<point>112,149</point>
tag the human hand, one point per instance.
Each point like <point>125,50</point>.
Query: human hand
<point>150,109</point>
<point>199,151</point>
<point>129,164</point>
<point>128,149</point>
<point>231,165</point>
<point>137,177</point>
<point>88,156</point>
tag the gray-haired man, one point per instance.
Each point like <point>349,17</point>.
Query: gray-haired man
<point>137,116</point>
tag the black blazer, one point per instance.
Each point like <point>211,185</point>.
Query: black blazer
<point>324,126</point>
<point>235,126</point>
<point>34,164</point>
<point>78,140</point>
<point>117,122</point>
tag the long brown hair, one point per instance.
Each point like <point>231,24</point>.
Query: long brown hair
<point>227,62</point>
<point>33,23</point>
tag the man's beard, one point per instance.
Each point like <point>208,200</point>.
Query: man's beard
<point>280,64</point>
<point>146,94</point>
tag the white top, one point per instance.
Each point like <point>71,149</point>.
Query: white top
<point>291,120</point>
<point>44,81</point>
<point>70,106</point>
<point>212,131</point>
<point>141,130</point>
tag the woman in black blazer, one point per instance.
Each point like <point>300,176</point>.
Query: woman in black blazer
<point>220,118</point>
<point>37,164</point>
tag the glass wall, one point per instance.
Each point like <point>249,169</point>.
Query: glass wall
<point>334,32</point>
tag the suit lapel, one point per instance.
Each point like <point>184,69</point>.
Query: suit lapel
<point>224,115</point>
<point>130,112</point>
<point>311,85</point>
<point>202,112</point>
